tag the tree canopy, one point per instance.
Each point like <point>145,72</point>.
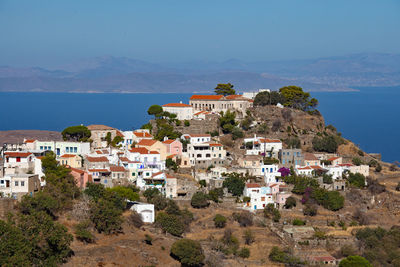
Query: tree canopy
<point>235,183</point>
<point>224,89</point>
<point>353,261</point>
<point>227,121</point>
<point>295,97</point>
<point>155,110</point>
<point>76,133</point>
<point>188,252</point>
<point>268,98</point>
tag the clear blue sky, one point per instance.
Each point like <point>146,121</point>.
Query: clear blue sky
<point>53,32</point>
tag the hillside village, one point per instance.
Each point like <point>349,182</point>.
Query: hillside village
<point>255,179</point>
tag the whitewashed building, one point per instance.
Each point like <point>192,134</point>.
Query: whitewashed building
<point>145,210</point>
<point>182,111</point>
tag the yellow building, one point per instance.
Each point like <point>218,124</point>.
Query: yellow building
<point>73,161</point>
<point>154,145</point>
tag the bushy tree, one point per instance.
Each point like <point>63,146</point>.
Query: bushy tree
<point>170,223</point>
<point>278,255</point>
<point>235,183</point>
<point>327,178</point>
<point>171,164</point>
<point>271,212</point>
<point>325,144</point>
<point>237,133</point>
<point>356,179</point>
<point>354,261</point>
<point>244,253</point>
<point>76,133</point>
<point>244,218</point>
<point>199,200</point>
<point>249,237</point>
<point>155,110</point>
<point>290,202</point>
<point>106,217</point>
<point>227,121</point>
<point>219,221</point>
<point>357,161</point>
<point>83,233</point>
<point>150,193</point>
<point>125,192</point>
<point>216,194</point>
<point>224,89</point>
<point>188,252</point>
<point>295,97</point>
<point>293,142</point>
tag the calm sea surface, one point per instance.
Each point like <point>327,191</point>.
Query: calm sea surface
<point>370,118</point>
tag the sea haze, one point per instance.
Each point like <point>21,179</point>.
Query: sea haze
<point>369,117</point>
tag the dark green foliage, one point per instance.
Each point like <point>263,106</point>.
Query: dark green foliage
<point>125,192</point>
<point>266,98</point>
<point>331,200</point>
<point>95,191</point>
<point>230,242</point>
<point>219,221</point>
<point>246,122</point>
<point>356,179</point>
<point>354,261</point>
<point>33,240</point>
<point>224,89</point>
<point>164,129</point>
<point>199,200</point>
<point>325,144</point>
<point>290,202</point>
<point>150,193</point>
<point>155,110</point>
<point>106,216</point>
<point>327,178</point>
<point>237,133</point>
<point>171,164</point>
<point>270,161</point>
<point>248,237</point>
<point>271,212</point>
<point>172,208</point>
<point>170,223</point>
<point>117,139</point>
<point>295,97</point>
<point>83,233</point>
<point>216,194</point>
<point>186,123</point>
<point>244,253</point>
<point>378,168</point>
<point>159,201</point>
<point>227,121</point>
<point>188,252</point>
<point>148,239</point>
<point>357,161</point>
<point>373,163</point>
<point>40,202</point>
<point>398,187</point>
<point>203,183</point>
<point>244,218</point>
<point>293,142</point>
<point>298,222</point>
<point>300,183</point>
<point>278,255</point>
<point>135,219</point>
<point>108,138</point>
<point>310,210</point>
<point>235,183</point>
<point>76,133</point>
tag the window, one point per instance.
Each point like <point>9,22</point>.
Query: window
<point>41,147</point>
<point>16,183</point>
<point>22,183</point>
<point>67,149</point>
<point>18,159</point>
<point>75,149</point>
<point>1,181</point>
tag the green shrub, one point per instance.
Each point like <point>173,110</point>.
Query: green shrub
<point>352,261</point>
<point>148,239</point>
<point>356,179</point>
<point>244,253</point>
<point>178,123</point>
<point>203,183</point>
<point>216,194</point>
<point>310,210</point>
<point>188,252</point>
<point>106,217</point>
<point>290,203</point>
<point>248,237</point>
<point>271,212</point>
<point>244,218</point>
<point>237,133</point>
<point>187,123</point>
<point>278,255</point>
<point>298,222</point>
<point>82,232</point>
<point>199,200</point>
<point>219,221</point>
<point>357,161</point>
<point>170,223</point>
<point>378,168</point>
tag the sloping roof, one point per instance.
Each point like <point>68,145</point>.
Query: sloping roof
<point>68,156</point>
<point>206,97</point>
<point>171,156</point>
<point>310,156</point>
<point>147,142</point>
<point>156,174</point>
<point>197,135</point>
<point>95,127</point>
<point>154,152</point>
<point>215,144</point>
<point>333,158</point>
<point>99,170</point>
<point>76,170</point>
<point>117,169</point>
<point>169,141</point>
<point>99,152</point>
<point>252,185</point>
<point>142,134</point>
<point>169,176</point>
<point>140,150</point>
<point>30,140</point>
<point>345,165</point>
<point>97,159</point>
<point>177,105</point>
<point>120,134</point>
<point>202,112</point>
<point>17,154</point>
<point>124,159</point>
<point>267,140</point>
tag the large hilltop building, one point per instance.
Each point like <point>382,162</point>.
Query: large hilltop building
<point>218,103</point>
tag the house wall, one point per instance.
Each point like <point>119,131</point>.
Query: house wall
<point>182,113</point>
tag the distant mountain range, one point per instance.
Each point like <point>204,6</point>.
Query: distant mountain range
<point>118,74</point>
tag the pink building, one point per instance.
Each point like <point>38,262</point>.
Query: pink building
<point>174,147</point>
<point>81,177</point>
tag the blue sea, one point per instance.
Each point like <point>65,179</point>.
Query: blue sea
<point>370,117</point>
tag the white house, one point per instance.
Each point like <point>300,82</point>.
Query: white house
<point>145,210</point>
<point>171,186</point>
<point>64,147</point>
<point>260,196</point>
<point>182,111</point>
<point>270,173</point>
<point>140,134</point>
<point>18,185</point>
<point>205,151</point>
<point>196,138</point>
<point>260,145</point>
<point>252,94</point>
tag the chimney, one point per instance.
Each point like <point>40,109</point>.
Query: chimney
<point>180,102</point>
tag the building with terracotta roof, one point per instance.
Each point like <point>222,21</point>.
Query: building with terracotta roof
<point>260,145</point>
<point>311,160</point>
<point>218,103</point>
<point>74,161</point>
<point>174,147</point>
<point>154,145</point>
<point>335,160</point>
<point>141,134</point>
<point>205,154</point>
<point>81,177</point>
<point>182,111</point>
<point>96,163</point>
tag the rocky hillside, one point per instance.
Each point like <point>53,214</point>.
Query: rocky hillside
<point>17,136</point>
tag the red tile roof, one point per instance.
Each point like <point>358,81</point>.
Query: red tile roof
<point>147,142</point>
<point>142,134</point>
<point>201,112</point>
<point>169,141</point>
<point>17,154</point>
<point>99,152</point>
<point>120,134</point>
<point>206,97</point>
<point>140,150</point>
<point>267,140</point>
<point>169,176</point>
<point>30,140</point>
<point>154,152</point>
<point>198,135</point>
<point>76,170</point>
<point>95,127</point>
<point>124,159</point>
<point>345,165</point>
<point>156,174</point>
<point>68,156</point>
<point>215,144</point>
<point>252,185</point>
<point>177,105</point>
<point>333,158</point>
<point>230,97</point>
<point>97,159</point>
<point>171,156</point>
<point>117,169</point>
